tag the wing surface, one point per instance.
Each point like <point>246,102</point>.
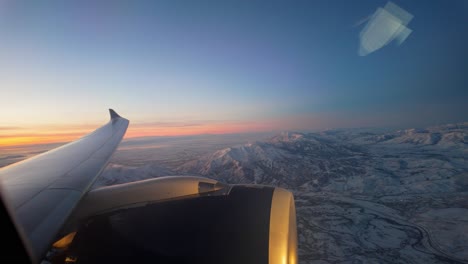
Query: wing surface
<point>42,192</point>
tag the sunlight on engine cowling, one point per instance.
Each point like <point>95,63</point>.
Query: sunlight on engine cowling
<point>65,241</point>
<point>283,230</point>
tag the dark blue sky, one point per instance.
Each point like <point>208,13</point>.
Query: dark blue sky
<point>190,61</point>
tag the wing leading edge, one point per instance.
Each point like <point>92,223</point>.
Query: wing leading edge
<point>42,192</point>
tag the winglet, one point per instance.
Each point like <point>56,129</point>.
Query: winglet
<point>113,114</point>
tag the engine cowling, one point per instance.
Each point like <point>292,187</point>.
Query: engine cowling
<point>214,223</point>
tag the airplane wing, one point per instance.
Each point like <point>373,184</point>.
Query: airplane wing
<point>176,219</point>
<point>42,192</point>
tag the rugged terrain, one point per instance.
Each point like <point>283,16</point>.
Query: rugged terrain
<point>361,197</point>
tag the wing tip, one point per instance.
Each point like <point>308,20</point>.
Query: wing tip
<point>113,114</point>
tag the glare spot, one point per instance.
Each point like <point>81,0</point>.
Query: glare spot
<point>384,26</point>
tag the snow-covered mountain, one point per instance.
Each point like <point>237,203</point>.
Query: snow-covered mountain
<point>446,136</point>
<point>401,162</point>
<point>289,159</point>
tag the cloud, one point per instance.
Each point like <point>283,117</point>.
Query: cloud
<point>171,124</point>
<point>6,128</point>
<point>384,26</point>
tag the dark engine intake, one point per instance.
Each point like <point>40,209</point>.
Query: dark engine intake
<point>248,224</point>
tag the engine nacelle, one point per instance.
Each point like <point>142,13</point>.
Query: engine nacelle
<point>185,220</point>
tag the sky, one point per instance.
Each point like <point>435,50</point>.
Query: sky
<point>208,67</point>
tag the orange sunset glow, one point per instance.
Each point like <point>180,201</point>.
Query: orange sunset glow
<point>44,135</point>
<point>63,134</point>
<point>143,130</point>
